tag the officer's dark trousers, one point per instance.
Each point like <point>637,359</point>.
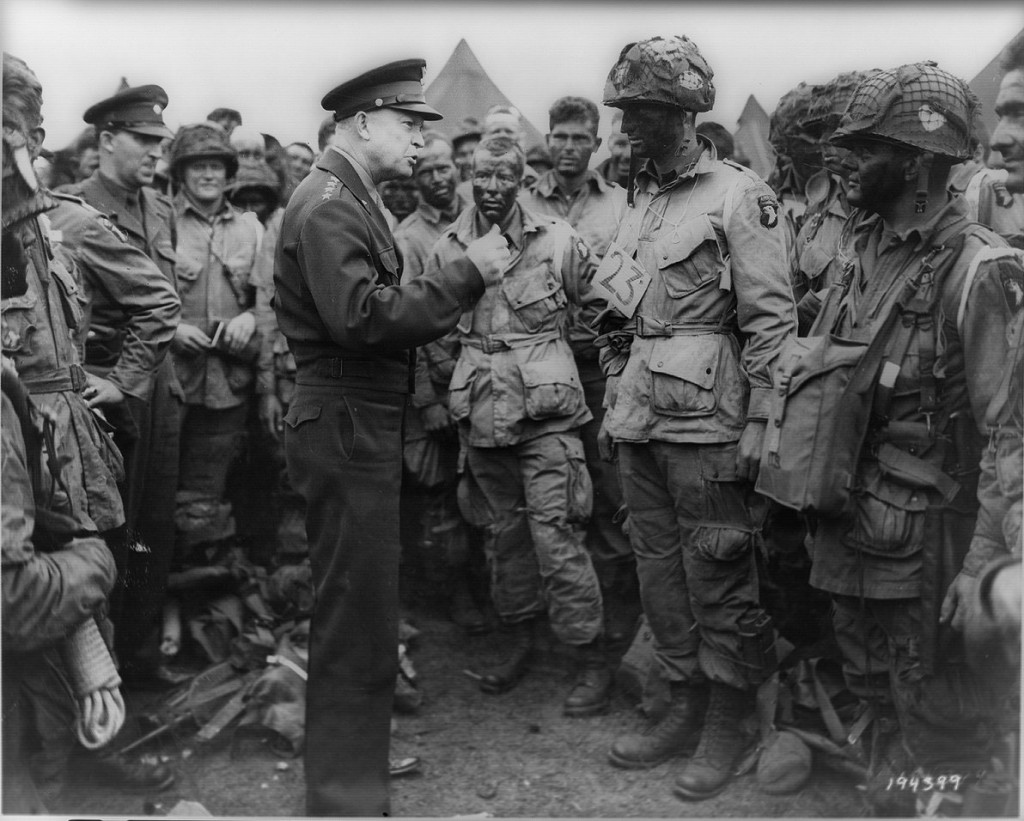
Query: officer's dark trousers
<point>151,480</point>
<point>344,454</point>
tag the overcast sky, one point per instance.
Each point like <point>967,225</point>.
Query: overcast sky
<point>274,60</point>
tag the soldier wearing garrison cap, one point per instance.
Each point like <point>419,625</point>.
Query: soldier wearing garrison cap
<point>138,109</point>
<point>351,327</point>
<point>130,130</point>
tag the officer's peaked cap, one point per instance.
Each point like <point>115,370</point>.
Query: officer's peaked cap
<point>395,85</point>
<point>138,109</point>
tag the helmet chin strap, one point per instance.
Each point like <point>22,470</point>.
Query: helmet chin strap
<point>923,181</point>
<point>22,196</point>
<point>18,146</point>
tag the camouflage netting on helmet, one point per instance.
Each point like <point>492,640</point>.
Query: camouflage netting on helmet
<point>830,100</point>
<point>663,70</point>
<point>917,105</point>
<point>786,122</point>
<point>258,176</point>
<point>200,142</point>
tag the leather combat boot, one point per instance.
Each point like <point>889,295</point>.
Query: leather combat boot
<point>722,743</point>
<point>463,610</point>
<point>590,692</point>
<point>519,643</point>
<point>674,735</point>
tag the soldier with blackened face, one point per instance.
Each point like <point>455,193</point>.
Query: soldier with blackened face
<point>517,397</point>
<point>705,305</point>
<point>922,305</point>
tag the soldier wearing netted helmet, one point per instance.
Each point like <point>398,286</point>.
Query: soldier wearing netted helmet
<point>796,156</point>
<point>215,347</point>
<point>697,262</point>
<point>813,256</point>
<point>928,295</point>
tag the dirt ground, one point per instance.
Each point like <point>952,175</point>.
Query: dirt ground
<point>502,756</point>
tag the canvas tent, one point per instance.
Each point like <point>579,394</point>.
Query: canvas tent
<point>463,89</point>
<point>751,138</point>
<point>986,86</point>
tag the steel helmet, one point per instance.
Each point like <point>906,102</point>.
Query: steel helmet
<point>786,121</point>
<point>831,99</point>
<point>917,105</point>
<point>202,141</point>
<point>664,70</point>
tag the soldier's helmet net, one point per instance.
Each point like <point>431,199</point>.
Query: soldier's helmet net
<point>786,123</point>
<point>917,105</point>
<point>663,70</point>
<point>202,141</point>
<point>830,100</point>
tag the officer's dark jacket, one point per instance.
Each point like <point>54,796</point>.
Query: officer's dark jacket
<point>337,272</point>
<point>156,238</point>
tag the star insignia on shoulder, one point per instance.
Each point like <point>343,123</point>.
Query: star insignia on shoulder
<point>329,189</point>
<point>113,229</point>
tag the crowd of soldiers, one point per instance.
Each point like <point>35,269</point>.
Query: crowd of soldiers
<point>766,416</point>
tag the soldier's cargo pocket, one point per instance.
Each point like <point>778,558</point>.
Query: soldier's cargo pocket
<point>580,488</point>
<point>535,296</point>
<point>683,375</point>
<point>18,325</point>
<point>722,544</point>
<point>689,257</point>
<point>888,518</point>
<point>550,388</point>
<point>460,390</point>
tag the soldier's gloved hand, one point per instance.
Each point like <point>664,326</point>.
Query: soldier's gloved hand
<point>748,453</point>
<point>490,254</point>
<point>271,413</point>
<point>100,391</point>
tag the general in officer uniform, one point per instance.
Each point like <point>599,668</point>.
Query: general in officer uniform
<point>351,325</point>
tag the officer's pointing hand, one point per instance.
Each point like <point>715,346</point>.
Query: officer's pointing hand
<point>490,254</point>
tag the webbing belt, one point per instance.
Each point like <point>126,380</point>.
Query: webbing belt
<point>69,378</point>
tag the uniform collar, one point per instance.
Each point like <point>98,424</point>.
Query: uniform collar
<point>705,162</point>
<point>361,171</point>
<point>183,204</point>
<point>918,235</point>
<point>523,222</point>
<point>435,216</point>
<point>547,185</point>
<point>121,193</point>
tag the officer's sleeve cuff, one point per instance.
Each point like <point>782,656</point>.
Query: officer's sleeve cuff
<point>464,281</point>
<point>760,401</point>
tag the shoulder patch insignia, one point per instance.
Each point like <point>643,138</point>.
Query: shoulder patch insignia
<point>582,249</point>
<point>1012,280</point>
<point>769,210</point>
<point>113,229</point>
